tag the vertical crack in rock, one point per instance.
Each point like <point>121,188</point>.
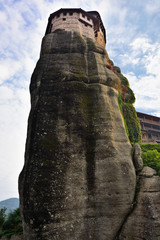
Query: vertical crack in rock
<point>143,220</point>
<point>137,189</point>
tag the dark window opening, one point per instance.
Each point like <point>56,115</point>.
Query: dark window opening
<point>83,16</point>
<point>149,135</point>
<point>64,19</point>
<point>58,16</point>
<point>70,13</point>
<point>85,25</point>
<point>64,14</point>
<point>88,18</point>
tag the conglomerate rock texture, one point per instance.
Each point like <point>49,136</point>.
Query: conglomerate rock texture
<point>78,181</point>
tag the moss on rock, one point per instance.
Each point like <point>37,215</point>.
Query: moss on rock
<point>126,99</point>
<point>132,122</point>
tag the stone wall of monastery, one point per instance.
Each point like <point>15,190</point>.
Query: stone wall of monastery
<point>70,22</point>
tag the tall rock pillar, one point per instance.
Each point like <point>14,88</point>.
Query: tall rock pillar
<point>78,179</point>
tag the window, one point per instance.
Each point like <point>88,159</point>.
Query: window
<point>58,16</point>
<point>83,16</point>
<point>64,14</point>
<point>64,19</point>
<point>70,13</point>
<point>88,18</point>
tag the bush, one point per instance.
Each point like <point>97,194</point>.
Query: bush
<point>150,146</point>
<point>151,158</point>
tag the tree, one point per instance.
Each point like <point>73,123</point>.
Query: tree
<point>2,216</point>
<point>13,220</point>
<point>12,224</point>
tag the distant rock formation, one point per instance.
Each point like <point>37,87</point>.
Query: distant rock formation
<point>10,204</point>
<point>78,180</point>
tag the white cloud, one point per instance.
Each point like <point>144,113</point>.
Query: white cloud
<point>14,108</point>
<point>5,94</point>
<point>8,68</point>
<point>152,6</point>
<point>141,62</point>
<point>153,62</point>
<point>147,90</point>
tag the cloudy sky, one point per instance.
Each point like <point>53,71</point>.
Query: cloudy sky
<point>133,43</point>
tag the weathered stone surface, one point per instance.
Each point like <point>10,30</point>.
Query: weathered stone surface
<point>78,181</point>
<point>137,159</point>
<point>13,237</point>
<point>144,221</point>
<point>116,69</point>
<point>16,237</point>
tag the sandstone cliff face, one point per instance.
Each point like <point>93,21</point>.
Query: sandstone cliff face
<point>78,181</point>
<point>144,221</point>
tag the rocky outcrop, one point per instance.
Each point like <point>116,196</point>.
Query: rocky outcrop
<point>78,181</point>
<point>137,159</point>
<point>144,221</point>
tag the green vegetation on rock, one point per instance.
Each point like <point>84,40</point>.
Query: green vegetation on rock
<point>151,156</point>
<point>126,99</point>
<point>121,110</point>
<point>132,122</point>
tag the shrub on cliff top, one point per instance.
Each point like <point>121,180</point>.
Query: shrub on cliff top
<point>151,158</point>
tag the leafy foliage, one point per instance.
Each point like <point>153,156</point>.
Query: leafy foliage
<point>150,146</point>
<point>132,122</point>
<point>151,156</point>
<point>126,92</point>
<point>11,224</point>
<point>124,80</point>
<point>126,99</point>
<point>121,110</point>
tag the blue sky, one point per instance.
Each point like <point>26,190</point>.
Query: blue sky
<point>133,43</point>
